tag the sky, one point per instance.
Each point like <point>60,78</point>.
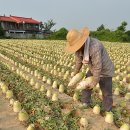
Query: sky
<point>71,13</point>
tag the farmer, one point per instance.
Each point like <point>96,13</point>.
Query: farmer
<point>90,51</point>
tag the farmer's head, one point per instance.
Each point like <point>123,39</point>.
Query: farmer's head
<point>76,39</point>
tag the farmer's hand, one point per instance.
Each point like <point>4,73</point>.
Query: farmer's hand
<point>83,85</point>
<point>91,85</point>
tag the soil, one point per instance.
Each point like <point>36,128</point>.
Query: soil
<point>8,118</point>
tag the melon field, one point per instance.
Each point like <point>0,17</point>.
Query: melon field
<point>34,78</point>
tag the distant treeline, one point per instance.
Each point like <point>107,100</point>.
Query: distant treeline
<point>118,35</point>
<point>102,33</point>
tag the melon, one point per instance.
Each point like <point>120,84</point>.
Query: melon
<point>76,79</point>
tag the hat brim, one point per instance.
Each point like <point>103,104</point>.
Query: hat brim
<point>79,42</point>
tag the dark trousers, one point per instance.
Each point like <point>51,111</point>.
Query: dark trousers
<point>106,88</point>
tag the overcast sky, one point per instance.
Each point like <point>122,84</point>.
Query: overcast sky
<point>71,13</point>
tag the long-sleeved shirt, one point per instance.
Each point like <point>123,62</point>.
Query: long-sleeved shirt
<point>99,64</point>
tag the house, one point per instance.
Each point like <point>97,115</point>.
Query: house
<point>14,26</point>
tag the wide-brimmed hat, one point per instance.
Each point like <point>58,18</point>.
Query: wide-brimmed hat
<point>76,39</point>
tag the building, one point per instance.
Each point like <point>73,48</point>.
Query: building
<point>20,26</point>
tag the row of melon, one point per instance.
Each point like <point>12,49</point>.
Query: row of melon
<point>22,114</point>
<point>17,104</point>
<point>35,85</point>
<point>49,67</point>
<point>65,59</point>
<point>83,121</point>
<point>53,70</point>
<point>96,109</point>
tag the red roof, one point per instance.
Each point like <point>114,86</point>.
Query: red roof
<point>5,18</point>
<point>19,19</point>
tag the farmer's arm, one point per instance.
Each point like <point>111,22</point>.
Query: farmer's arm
<point>78,63</point>
<point>96,65</point>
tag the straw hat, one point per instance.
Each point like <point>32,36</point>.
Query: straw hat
<point>76,39</point>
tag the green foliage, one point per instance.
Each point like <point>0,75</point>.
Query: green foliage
<point>119,35</point>
<point>122,27</point>
<point>100,28</point>
<point>59,35</point>
<point>128,35</point>
<point>102,33</point>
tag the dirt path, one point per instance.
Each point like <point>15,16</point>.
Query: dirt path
<point>8,119</point>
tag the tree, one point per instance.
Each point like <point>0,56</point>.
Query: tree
<point>120,32</point>
<point>59,35</point>
<point>122,27</point>
<point>128,35</point>
<point>48,25</point>
<point>100,28</point>
<point>118,35</point>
